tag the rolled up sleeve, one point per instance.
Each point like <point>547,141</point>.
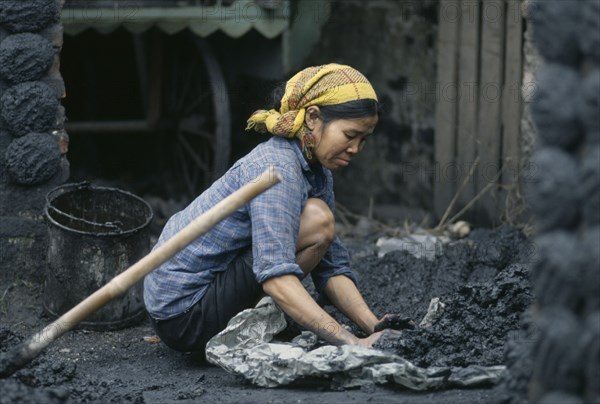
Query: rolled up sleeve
<point>336,260</point>
<point>275,218</point>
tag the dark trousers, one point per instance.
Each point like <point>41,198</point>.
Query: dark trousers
<point>232,291</point>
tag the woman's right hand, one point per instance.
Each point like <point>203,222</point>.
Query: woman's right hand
<point>370,340</point>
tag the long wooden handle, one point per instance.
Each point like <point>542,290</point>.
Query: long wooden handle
<point>120,283</point>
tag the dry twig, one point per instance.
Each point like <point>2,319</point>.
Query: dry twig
<point>456,195</point>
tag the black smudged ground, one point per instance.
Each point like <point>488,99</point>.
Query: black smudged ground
<point>475,278</point>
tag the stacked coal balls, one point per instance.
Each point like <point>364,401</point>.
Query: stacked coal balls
<point>564,195</point>
<point>31,117</point>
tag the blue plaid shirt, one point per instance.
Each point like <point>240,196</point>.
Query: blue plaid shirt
<point>270,223</point>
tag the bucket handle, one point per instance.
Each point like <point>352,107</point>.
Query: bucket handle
<point>84,185</point>
<point>114,226</point>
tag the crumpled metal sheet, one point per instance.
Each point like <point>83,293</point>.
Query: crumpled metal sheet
<point>418,245</point>
<point>245,348</point>
<point>434,311</point>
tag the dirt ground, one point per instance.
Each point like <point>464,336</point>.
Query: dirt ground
<point>483,280</point>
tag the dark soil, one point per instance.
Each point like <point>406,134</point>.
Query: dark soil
<point>480,280</point>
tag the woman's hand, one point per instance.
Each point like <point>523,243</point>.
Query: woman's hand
<point>394,322</point>
<point>370,340</point>
<point>293,299</point>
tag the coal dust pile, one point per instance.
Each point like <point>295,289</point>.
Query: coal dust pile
<point>482,282</point>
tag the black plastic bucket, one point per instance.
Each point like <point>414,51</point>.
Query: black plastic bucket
<point>95,233</point>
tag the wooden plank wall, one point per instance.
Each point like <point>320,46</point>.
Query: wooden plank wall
<point>445,137</point>
<point>478,112</point>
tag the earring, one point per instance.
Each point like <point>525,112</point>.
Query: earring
<point>307,142</point>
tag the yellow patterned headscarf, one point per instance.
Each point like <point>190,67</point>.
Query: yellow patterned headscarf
<point>320,85</point>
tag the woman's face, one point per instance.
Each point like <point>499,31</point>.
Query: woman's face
<point>339,140</point>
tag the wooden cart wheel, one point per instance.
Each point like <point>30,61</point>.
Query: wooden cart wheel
<point>195,106</point>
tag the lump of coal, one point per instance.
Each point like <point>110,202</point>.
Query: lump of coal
<point>557,272</point>
<point>555,106</point>
<point>28,107</point>
<point>591,275</point>
<point>33,158</point>
<point>551,184</point>
<point>592,368</point>
<point>590,105</point>
<point>25,57</point>
<point>589,33</point>
<point>514,385</point>
<point>555,29</point>
<point>590,185</point>
<point>28,16</point>
<point>559,353</point>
